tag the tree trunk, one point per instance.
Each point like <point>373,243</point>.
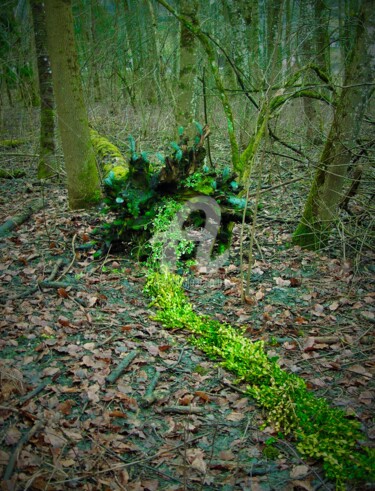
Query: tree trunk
<point>188,45</point>
<point>306,40</point>
<point>47,161</point>
<point>326,191</point>
<point>82,174</point>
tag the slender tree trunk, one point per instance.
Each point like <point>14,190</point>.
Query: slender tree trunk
<point>308,50</point>
<point>94,65</point>
<point>188,71</point>
<point>322,40</point>
<point>82,174</point>
<point>47,160</point>
<point>153,48</point>
<point>326,191</point>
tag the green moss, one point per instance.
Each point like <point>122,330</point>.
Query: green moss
<point>109,155</point>
<point>321,432</point>
<point>271,452</point>
<point>11,143</point>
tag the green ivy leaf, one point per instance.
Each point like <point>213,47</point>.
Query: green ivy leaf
<point>132,144</point>
<point>160,157</point>
<point>199,127</point>
<point>110,178</point>
<point>226,173</point>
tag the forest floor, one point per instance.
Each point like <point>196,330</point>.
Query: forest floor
<point>64,426</point>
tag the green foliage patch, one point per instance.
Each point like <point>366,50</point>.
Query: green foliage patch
<point>320,431</point>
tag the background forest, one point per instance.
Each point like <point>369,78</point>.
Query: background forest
<point>116,116</point>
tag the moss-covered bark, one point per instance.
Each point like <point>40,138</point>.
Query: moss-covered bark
<point>47,161</point>
<point>109,156</point>
<point>326,190</point>
<point>82,175</point>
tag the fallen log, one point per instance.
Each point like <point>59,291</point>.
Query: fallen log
<point>109,156</point>
<point>17,220</point>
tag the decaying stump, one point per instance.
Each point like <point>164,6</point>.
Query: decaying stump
<point>136,192</point>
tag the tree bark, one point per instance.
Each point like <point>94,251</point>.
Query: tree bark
<point>184,101</point>
<point>82,174</point>
<point>47,161</point>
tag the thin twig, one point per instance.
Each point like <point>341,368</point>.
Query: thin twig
<point>67,269</point>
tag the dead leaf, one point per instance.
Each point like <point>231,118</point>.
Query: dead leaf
<point>186,400</point>
<point>318,382</point>
<point>226,455</point>
<point>66,406</point>
<point>63,321</point>
<point>92,393</point>
<point>50,371</point>
<point>54,437</point>
<point>366,397</point>
<point>289,346</point>
<point>152,349</point>
<point>360,370</point>
<point>368,315</point>
<point>299,471</point>
<point>309,344</point>
<point>195,457</point>
<point>12,436</point>
<point>62,293</point>
<point>202,395</point>
<point>281,282</point>
<point>303,484</point>
<point>67,462</point>
<point>295,282</point>
<point>250,300</point>
<point>259,295</point>
<point>117,414</point>
<point>92,301</point>
<point>334,306</point>
<point>164,347</point>
<point>235,416</point>
<point>73,435</point>
<point>318,310</point>
<point>150,484</point>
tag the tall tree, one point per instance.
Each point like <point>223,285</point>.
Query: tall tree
<point>188,45</point>
<point>82,174</point>
<point>326,191</point>
<point>47,160</point>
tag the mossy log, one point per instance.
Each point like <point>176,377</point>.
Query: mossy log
<point>13,222</point>
<point>109,156</point>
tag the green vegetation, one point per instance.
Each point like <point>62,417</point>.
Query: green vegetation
<point>11,143</point>
<point>320,431</point>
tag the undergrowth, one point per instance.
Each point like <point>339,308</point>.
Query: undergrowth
<point>320,431</point>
